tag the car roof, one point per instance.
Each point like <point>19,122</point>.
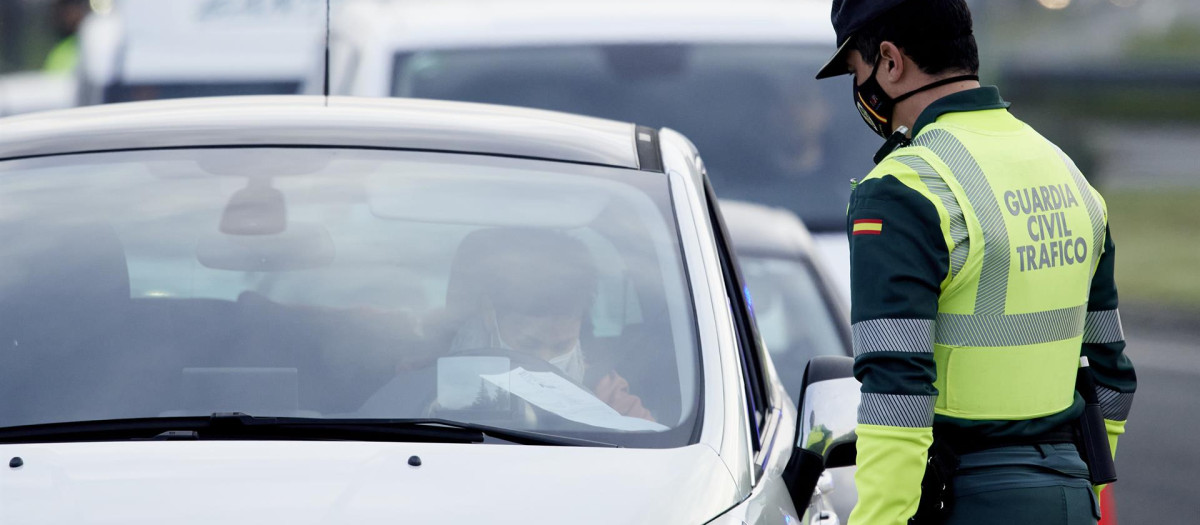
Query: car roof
<point>308,121</point>
<point>459,23</point>
<point>765,230</point>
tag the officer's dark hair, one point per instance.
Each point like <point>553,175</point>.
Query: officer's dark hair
<point>935,33</point>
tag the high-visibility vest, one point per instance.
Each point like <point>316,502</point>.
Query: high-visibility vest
<point>1024,231</point>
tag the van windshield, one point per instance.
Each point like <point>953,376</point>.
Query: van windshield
<point>139,92</point>
<point>345,284</point>
<point>768,132</point>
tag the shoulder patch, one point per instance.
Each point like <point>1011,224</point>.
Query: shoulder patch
<point>868,227</point>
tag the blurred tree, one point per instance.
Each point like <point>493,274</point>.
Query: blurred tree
<point>10,35</point>
<point>1181,41</point>
<point>26,34</point>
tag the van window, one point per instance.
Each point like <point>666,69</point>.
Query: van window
<point>140,92</point>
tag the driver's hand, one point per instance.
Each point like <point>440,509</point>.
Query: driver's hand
<point>614,390</point>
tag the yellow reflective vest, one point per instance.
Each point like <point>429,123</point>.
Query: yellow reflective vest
<point>981,269</point>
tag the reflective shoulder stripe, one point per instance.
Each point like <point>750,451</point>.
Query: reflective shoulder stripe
<point>1103,327</point>
<point>1009,330</point>
<point>1095,212</point>
<point>992,296</point>
<point>892,335</point>
<point>958,223</point>
<point>891,410</point>
<point>1114,405</point>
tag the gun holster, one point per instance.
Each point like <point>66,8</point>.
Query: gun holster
<point>1092,436</point>
<point>937,487</point>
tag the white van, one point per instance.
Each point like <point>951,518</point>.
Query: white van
<point>156,49</point>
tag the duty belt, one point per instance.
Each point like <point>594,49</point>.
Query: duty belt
<point>966,443</point>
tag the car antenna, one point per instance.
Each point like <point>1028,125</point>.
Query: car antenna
<point>327,9</point>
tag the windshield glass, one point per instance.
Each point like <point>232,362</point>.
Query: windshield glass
<point>333,283</point>
<point>796,319</point>
<point>768,132</point>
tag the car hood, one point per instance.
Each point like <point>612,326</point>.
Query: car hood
<point>359,482</point>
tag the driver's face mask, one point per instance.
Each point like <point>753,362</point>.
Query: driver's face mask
<point>571,363</point>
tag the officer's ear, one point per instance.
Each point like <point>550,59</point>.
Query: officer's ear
<point>892,62</point>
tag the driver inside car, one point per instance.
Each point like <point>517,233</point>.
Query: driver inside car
<point>534,298</point>
<point>522,290</point>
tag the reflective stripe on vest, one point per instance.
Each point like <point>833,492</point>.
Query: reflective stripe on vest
<point>993,278</point>
<point>958,223</point>
<point>1093,206</point>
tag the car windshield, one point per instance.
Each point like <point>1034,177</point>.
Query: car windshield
<point>138,92</point>
<point>796,318</point>
<point>348,284</point>
<point>769,133</point>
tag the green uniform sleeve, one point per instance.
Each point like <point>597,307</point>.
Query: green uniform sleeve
<point>1104,346</point>
<point>898,260</point>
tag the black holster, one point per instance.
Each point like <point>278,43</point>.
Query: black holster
<point>937,487</point>
<point>1092,435</point>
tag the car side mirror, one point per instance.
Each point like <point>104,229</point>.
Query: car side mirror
<point>827,416</point>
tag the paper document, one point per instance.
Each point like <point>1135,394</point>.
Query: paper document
<point>555,394</point>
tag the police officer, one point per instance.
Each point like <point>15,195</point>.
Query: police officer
<point>68,16</point>
<point>982,269</point>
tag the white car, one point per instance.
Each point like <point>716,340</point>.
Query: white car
<point>734,76</point>
<point>163,49</point>
<point>309,310</point>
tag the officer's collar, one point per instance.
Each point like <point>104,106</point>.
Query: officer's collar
<point>977,99</point>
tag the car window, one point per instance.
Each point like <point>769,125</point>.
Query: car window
<point>768,131</point>
<point>795,318</point>
<point>337,283</point>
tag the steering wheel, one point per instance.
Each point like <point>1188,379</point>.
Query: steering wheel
<point>530,412</point>
<point>529,362</point>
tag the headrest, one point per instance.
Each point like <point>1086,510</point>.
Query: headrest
<point>56,274</point>
<point>527,268</point>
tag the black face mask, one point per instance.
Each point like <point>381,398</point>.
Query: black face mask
<point>876,107</point>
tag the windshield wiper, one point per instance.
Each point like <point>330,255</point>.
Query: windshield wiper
<point>520,437</point>
<point>239,426</point>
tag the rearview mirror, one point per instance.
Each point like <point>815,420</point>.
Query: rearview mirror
<point>257,209</point>
<point>827,416</point>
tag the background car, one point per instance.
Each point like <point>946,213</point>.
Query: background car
<point>335,310</point>
<point>797,304</point>
<point>735,77</point>
<point>800,312</point>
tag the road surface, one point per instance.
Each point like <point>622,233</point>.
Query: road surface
<point>1158,459</point>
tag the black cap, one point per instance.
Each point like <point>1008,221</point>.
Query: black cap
<point>848,17</point>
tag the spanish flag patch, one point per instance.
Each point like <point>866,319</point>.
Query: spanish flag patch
<point>868,227</point>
